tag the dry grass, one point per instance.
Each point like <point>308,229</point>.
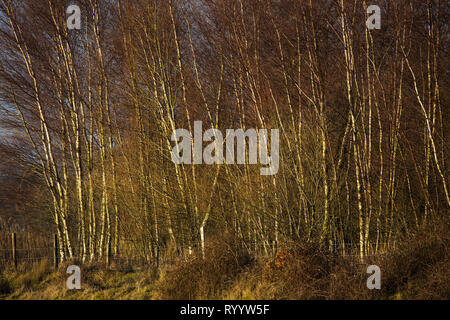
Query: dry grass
<point>200,278</point>
<point>417,269</point>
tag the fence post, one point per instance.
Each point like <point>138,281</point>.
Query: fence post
<point>14,249</point>
<point>55,251</point>
<point>108,253</point>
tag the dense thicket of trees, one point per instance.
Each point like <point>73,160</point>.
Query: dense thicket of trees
<point>87,117</point>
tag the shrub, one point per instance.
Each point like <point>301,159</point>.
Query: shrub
<point>5,286</point>
<point>199,278</point>
<point>416,269</point>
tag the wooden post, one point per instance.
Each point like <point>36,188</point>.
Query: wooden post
<point>108,253</point>
<point>14,249</point>
<point>55,251</point>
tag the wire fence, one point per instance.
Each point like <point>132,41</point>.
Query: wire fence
<point>23,249</point>
<point>27,249</point>
<point>24,257</point>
